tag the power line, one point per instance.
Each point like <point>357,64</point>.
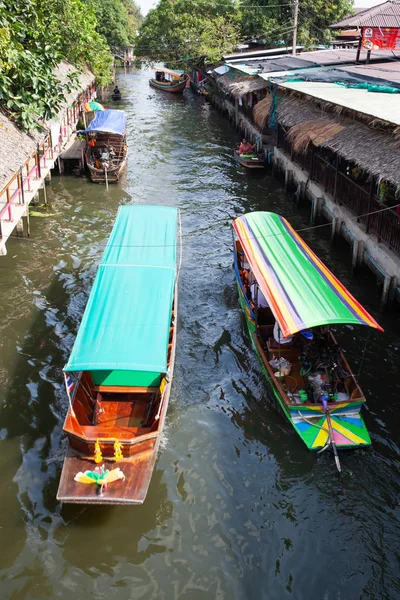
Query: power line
<point>271,235</point>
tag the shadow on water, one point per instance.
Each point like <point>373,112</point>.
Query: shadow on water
<point>237,507</point>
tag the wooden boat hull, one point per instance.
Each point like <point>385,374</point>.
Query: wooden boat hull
<point>139,455</point>
<point>174,88</point>
<point>249,163</point>
<point>348,425</point>
<point>113,175</point>
<point>137,469</point>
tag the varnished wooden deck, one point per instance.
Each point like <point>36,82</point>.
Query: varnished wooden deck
<point>131,490</point>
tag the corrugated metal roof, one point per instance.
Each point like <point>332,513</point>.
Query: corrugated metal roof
<point>389,71</point>
<point>383,15</point>
<point>375,104</point>
<point>311,59</point>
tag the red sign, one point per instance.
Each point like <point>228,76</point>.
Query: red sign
<point>381,38</point>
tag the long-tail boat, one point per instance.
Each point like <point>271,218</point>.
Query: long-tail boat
<point>290,301</point>
<point>168,80</point>
<point>249,161</point>
<point>106,148</point>
<point>119,374</point>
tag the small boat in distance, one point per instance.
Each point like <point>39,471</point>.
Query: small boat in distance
<point>290,300</point>
<point>119,374</point>
<point>249,161</point>
<point>169,80</point>
<point>116,95</point>
<point>106,148</point>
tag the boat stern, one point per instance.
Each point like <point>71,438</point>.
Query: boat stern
<point>349,431</point>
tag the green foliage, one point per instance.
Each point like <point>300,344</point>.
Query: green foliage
<point>192,30</point>
<point>188,31</point>
<point>35,35</point>
<point>275,23</point>
<point>114,21</point>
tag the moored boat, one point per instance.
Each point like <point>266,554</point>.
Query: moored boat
<point>290,301</point>
<point>106,148</point>
<point>119,374</point>
<point>249,161</point>
<point>168,80</point>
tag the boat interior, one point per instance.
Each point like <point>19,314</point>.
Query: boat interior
<point>168,78</point>
<point>123,412</point>
<point>310,365</point>
<point>108,150</point>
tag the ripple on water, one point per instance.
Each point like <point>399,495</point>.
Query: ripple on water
<point>237,508</point>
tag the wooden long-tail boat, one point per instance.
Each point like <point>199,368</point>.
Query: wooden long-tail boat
<point>249,161</point>
<point>106,149</point>
<point>119,374</point>
<point>168,80</point>
<point>290,300</point>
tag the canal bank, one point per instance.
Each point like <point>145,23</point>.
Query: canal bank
<point>236,507</point>
<point>333,142</point>
<point>27,158</point>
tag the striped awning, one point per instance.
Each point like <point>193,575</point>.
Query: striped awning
<point>300,290</point>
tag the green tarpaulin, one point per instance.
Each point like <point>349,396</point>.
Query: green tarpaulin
<point>125,326</point>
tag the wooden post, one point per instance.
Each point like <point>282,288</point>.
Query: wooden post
<point>357,255</point>
<point>335,229</point>
<point>359,46</point>
<point>44,194</point>
<point>21,178</point>
<point>288,178</point>
<point>336,177</point>
<point>388,292</point>
<point>38,173</point>
<point>312,161</point>
<point>369,210</point>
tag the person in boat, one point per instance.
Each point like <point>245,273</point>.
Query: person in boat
<point>278,337</point>
<point>116,91</point>
<point>245,147</point>
<point>257,296</point>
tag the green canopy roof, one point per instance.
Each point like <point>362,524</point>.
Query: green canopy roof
<point>126,322</point>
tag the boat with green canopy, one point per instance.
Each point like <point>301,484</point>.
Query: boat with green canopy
<point>290,300</point>
<point>119,374</point>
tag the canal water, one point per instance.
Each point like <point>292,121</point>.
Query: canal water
<point>237,507</point>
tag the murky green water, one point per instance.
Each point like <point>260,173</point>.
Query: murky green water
<point>237,507</point>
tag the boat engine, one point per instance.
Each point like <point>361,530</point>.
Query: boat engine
<point>321,367</point>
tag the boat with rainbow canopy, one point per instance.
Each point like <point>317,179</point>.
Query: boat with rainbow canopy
<point>169,80</point>
<point>290,300</point>
<point>119,374</point>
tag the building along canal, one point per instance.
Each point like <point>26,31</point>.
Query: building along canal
<point>237,507</point>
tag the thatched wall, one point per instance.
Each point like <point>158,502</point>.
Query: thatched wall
<point>373,150</point>
<point>261,111</point>
<point>240,84</point>
<point>316,131</point>
<point>15,145</point>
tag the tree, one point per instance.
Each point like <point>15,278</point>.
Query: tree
<point>115,23</point>
<point>35,35</point>
<point>273,19</point>
<point>182,31</point>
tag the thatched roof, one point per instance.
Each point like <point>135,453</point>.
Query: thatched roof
<point>241,84</point>
<point>372,149</point>
<point>316,131</point>
<point>16,146</point>
<point>261,111</point>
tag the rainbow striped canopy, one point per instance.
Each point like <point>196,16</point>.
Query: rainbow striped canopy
<point>301,292</point>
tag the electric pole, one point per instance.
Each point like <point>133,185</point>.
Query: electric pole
<point>295,19</point>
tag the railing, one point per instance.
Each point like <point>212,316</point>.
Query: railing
<point>14,192</point>
<point>359,198</point>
